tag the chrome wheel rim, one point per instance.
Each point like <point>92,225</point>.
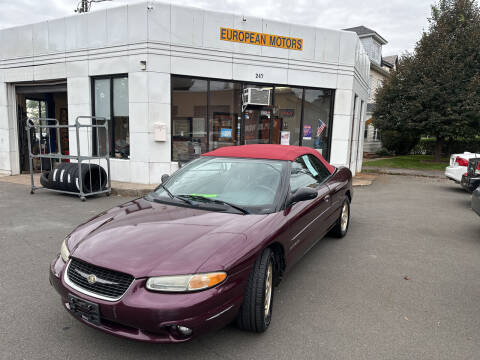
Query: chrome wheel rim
<point>344,218</point>
<point>268,289</point>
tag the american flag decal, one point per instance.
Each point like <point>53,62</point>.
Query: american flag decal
<point>321,127</point>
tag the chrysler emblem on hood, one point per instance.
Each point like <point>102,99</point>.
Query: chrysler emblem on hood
<point>92,278</point>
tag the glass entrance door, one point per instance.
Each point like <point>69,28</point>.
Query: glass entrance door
<point>257,125</point>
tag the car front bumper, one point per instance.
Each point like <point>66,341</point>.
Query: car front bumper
<point>149,316</point>
<point>455,173</point>
<point>470,183</point>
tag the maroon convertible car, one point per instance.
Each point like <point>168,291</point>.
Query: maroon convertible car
<point>206,247</point>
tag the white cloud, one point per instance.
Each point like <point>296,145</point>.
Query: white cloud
<point>399,21</point>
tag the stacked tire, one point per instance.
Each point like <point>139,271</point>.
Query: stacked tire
<point>66,177</point>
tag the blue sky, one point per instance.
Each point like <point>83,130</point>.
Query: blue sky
<point>399,21</point>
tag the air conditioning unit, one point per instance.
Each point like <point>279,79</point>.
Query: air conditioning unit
<point>254,96</point>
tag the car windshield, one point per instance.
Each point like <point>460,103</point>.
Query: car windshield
<point>251,185</point>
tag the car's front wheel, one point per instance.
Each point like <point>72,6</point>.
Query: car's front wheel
<point>341,227</point>
<point>256,310</point>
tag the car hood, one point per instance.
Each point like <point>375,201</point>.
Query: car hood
<point>144,238</point>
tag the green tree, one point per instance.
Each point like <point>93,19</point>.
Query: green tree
<point>436,90</point>
<point>395,104</point>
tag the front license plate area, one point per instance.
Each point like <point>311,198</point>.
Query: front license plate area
<point>84,309</point>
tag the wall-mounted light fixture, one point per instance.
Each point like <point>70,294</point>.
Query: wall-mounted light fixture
<point>143,65</point>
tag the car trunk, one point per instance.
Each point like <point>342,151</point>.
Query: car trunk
<point>473,167</point>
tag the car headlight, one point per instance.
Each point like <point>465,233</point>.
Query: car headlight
<point>64,253</point>
<point>183,283</point>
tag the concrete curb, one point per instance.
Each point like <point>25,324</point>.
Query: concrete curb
<point>118,188</point>
<point>361,182</point>
<point>130,192</point>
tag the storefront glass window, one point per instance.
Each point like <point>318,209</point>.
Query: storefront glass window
<point>189,118</point>
<point>120,118</point>
<point>209,114</point>
<point>225,114</point>
<point>287,119</point>
<point>111,102</point>
<point>102,98</point>
<point>316,120</point>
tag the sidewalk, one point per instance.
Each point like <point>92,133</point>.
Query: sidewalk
<point>362,179</point>
<point>405,172</point>
<point>137,190</point>
<point>118,188</point>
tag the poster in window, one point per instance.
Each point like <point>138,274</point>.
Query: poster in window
<point>222,128</point>
<point>286,113</point>
<point>225,133</point>
<point>285,138</point>
<point>307,132</point>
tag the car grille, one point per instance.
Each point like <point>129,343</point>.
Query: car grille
<point>109,283</point>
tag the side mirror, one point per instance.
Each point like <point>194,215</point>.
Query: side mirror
<point>301,194</point>
<point>165,178</point>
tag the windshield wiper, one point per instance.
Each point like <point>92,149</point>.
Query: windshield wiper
<point>221,202</point>
<point>175,196</point>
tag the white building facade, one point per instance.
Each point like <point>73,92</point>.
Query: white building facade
<point>176,82</point>
<point>380,68</point>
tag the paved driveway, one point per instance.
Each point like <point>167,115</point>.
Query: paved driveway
<point>347,299</point>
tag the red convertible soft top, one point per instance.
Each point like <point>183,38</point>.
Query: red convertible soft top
<point>269,151</point>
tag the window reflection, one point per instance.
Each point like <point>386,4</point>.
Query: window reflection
<point>257,126</point>
<point>316,119</point>
<point>209,114</point>
<point>189,117</point>
<point>101,109</point>
<point>111,102</point>
<point>121,135</point>
<point>288,106</point>
<point>224,114</point>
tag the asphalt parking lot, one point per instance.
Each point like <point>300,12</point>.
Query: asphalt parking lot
<point>347,299</point>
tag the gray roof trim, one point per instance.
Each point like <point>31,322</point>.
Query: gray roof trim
<point>363,31</point>
<point>392,60</point>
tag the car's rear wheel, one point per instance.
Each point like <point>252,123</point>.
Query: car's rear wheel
<point>256,310</point>
<point>341,227</point>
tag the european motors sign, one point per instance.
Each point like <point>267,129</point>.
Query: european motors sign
<point>254,38</point>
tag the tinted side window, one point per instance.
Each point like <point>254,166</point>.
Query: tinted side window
<point>303,174</point>
<point>323,172</point>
